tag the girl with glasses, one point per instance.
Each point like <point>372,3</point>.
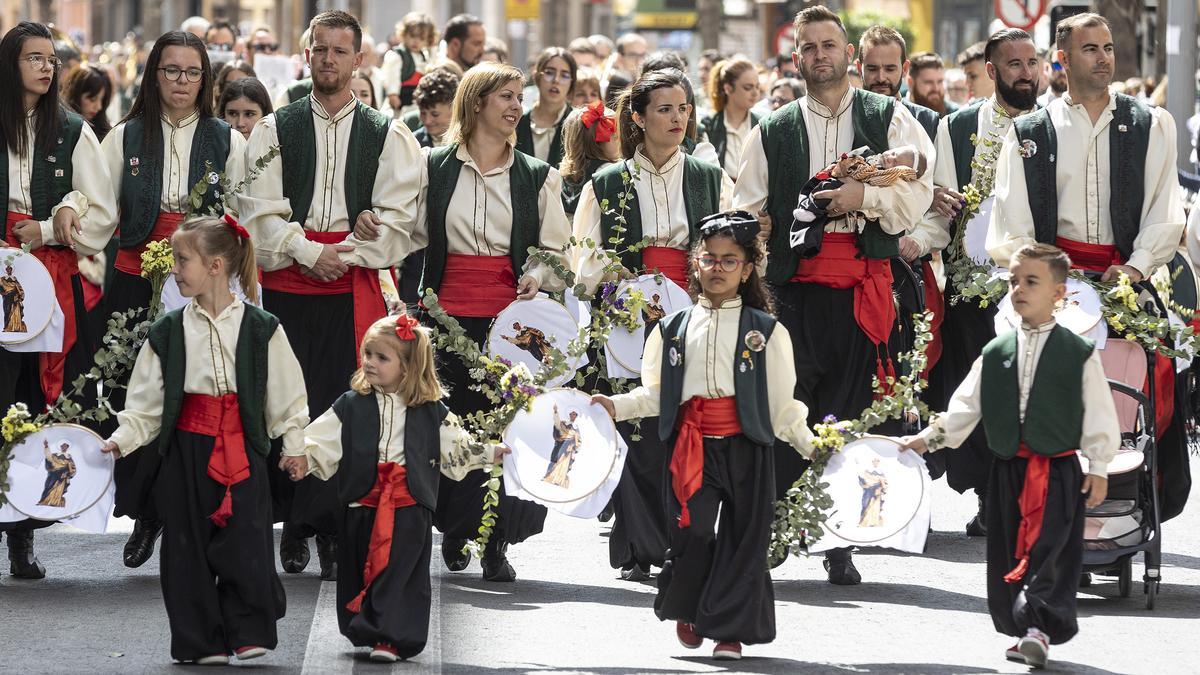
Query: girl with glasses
<point>58,202</point>
<point>539,134</point>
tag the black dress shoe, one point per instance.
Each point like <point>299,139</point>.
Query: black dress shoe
<point>293,550</point>
<point>495,563</point>
<point>23,564</point>
<point>839,564</point>
<point>635,572</point>
<point>140,546</point>
<point>978,525</point>
<point>454,555</point>
<point>327,555</point>
<point>607,514</point>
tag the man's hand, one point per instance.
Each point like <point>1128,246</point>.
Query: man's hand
<point>329,266</point>
<point>527,288</point>
<point>914,443</point>
<point>1113,272</point>
<point>29,232</point>
<point>1096,489</point>
<point>843,200</point>
<point>367,226</point>
<point>66,225</point>
<point>946,202</point>
<point>110,448</point>
<point>910,250</point>
<point>606,403</point>
<point>295,467</point>
<point>764,225</point>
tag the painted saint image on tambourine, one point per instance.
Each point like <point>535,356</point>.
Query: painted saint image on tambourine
<point>528,331</point>
<point>1079,312</point>
<point>58,472</point>
<point>662,298</point>
<point>27,297</point>
<point>563,448</point>
<point>876,489</point>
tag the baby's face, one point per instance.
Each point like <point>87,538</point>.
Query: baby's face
<point>906,156</point>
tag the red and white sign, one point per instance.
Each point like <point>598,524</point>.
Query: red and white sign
<point>1020,13</point>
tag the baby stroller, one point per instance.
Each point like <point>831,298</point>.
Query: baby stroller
<point>1128,521</point>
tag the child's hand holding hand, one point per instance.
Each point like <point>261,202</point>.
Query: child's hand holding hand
<point>295,467</point>
<point>500,451</point>
<point>606,403</point>
<point>110,448</point>
<point>914,443</point>
<point>1096,489</point>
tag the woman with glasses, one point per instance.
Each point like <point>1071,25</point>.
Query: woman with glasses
<point>168,143</point>
<point>539,133</point>
<point>58,202</point>
<point>672,192</point>
<point>733,91</point>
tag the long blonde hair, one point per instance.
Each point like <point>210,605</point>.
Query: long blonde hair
<point>216,238</point>
<point>476,85</point>
<point>419,381</point>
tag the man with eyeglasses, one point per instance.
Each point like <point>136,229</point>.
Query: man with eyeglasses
<point>221,37</point>
<point>343,166</point>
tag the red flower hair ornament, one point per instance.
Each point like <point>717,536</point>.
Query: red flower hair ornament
<point>404,327</point>
<point>237,229</point>
<point>594,118</point>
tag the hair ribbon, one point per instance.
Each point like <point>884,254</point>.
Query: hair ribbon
<point>404,327</point>
<point>238,230</point>
<point>593,116</point>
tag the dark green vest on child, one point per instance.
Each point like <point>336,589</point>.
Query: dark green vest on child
<point>701,198</point>
<point>254,335</point>
<point>785,141</point>
<point>749,374</point>
<point>1054,412</point>
<point>52,172</point>
<point>358,469</point>
<point>525,179</point>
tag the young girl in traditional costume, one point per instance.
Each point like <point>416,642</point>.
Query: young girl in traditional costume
<point>590,143</point>
<point>387,440</point>
<point>59,203</point>
<point>215,381</point>
<point>719,377</point>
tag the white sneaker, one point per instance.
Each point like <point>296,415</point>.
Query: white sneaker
<point>249,652</point>
<point>214,660</point>
<point>1035,647</point>
<point>1013,653</point>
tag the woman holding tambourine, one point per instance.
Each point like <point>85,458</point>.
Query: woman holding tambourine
<point>486,204</point>
<point>59,202</point>
<point>672,192</point>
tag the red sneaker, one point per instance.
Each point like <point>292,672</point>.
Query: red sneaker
<point>1013,653</point>
<point>727,651</point>
<point>686,633</point>
<point>384,653</point>
<point>249,652</point>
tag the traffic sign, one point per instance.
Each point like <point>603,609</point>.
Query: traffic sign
<point>1021,14</point>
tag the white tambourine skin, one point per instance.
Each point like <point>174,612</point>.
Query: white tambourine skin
<point>39,295</point>
<point>623,351</point>
<point>554,319</point>
<point>81,495</point>
<point>835,471</point>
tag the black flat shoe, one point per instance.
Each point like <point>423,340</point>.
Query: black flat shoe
<point>839,564</point>
<point>495,563</point>
<point>453,555</point>
<point>635,573</point>
<point>293,551</point>
<point>327,555</point>
<point>140,546</point>
<point>607,514</point>
<point>23,564</point>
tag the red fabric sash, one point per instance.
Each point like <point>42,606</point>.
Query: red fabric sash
<point>672,262</point>
<point>841,265</point>
<point>1092,257</point>
<point>477,285</point>
<point>389,493</point>
<point>412,81</point>
<point>92,294</point>
<point>701,417</point>
<point>361,282</point>
<point>1033,505</point>
<point>129,260</point>
<point>219,417</point>
<point>62,265</point>
<point>936,304</point>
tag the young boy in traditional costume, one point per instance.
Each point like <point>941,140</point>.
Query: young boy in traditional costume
<point>1042,396</point>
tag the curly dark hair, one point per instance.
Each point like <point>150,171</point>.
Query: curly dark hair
<point>753,290</point>
<point>437,86</point>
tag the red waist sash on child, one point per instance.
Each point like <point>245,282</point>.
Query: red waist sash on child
<point>129,260</point>
<point>1032,502</point>
<point>840,264</point>
<point>477,285</point>
<point>701,417</point>
<point>62,265</point>
<point>389,493</point>
<point>671,262</point>
<point>219,417</point>
<point>1098,258</point>
<point>361,282</point>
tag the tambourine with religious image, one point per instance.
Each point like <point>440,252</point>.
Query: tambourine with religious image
<point>527,331</point>
<point>27,299</point>
<point>172,299</point>
<point>1079,312</point>
<point>879,490</point>
<point>566,454</point>
<point>58,472</point>
<point>663,297</point>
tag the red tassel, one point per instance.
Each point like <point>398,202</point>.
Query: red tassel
<point>1018,572</point>
<point>221,516</point>
<point>355,605</point>
<point>879,373</point>
<point>685,518</point>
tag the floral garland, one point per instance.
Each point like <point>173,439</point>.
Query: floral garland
<point>800,516</point>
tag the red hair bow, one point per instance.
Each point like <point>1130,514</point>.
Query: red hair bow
<point>594,116</point>
<point>404,327</point>
<point>237,229</point>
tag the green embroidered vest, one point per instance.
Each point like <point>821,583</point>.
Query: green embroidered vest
<point>141,174</point>
<point>526,177</point>
<point>1054,413</point>
<point>785,141</point>
<point>257,327</point>
<point>298,154</point>
<point>525,137</point>
<point>1128,144</point>
<point>701,198</point>
<point>715,132</point>
<point>961,125</point>
<point>51,173</point>
<point>749,375</point>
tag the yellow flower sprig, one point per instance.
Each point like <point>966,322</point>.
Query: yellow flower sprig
<point>16,425</point>
<point>157,259</point>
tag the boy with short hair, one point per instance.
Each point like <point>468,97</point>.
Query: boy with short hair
<point>1041,394</point>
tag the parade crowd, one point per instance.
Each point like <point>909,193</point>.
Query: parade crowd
<point>302,383</point>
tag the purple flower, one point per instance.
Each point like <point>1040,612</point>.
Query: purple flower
<point>829,419</point>
<point>528,390</point>
<point>506,394</point>
<point>620,304</point>
<point>607,289</point>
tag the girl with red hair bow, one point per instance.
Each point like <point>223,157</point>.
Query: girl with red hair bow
<point>590,143</point>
